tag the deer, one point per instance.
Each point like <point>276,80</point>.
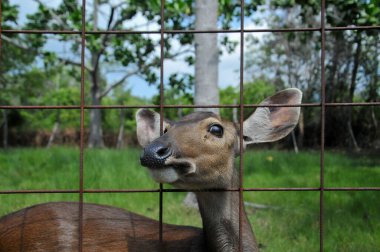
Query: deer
<point>195,153</point>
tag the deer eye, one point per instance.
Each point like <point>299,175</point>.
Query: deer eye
<point>216,130</point>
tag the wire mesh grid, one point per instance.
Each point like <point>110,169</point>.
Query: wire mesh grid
<point>242,31</point>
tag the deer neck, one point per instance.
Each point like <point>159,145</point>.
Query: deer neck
<point>220,217</point>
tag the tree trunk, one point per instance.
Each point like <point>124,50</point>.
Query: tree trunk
<point>54,133</point>
<point>289,54</point>
<point>96,132</point>
<point>334,67</point>
<point>120,136</point>
<point>57,123</point>
<point>206,91</point>
<point>294,140</point>
<point>373,87</point>
<point>5,128</point>
<point>206,55</point>
<point>373,117</point>
<point>352,136</point>
<point>355,67</point>
<point>301,127</point>
<point>352,90</point>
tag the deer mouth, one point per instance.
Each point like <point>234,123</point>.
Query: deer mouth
<point>181,165</point>
<point>172,171</point>
<point>164,175</point>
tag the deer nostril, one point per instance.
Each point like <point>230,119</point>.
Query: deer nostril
<point>155,155</point>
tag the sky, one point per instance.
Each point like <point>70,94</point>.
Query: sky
<point>229,63</point>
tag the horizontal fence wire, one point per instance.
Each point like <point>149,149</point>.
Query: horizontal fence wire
<point>169,106</point>
<point>245,189</point>
<point>82,107</point>
<point>312,29</point>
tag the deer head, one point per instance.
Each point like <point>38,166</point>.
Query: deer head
<point>197,151</point>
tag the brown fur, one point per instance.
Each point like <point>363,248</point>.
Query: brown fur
<point>54,227</point>
<point>216,152</point>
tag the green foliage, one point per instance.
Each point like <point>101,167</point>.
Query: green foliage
<point>257,91</point>
<point>179,92</point>
<point>50,87</point>
<point>254,93</point>
<point>112,117</point>
<point>339,12</point>
<point>354,12</point>
<point>9,14</point>
<point>282,60</point>
<point>131,50</point>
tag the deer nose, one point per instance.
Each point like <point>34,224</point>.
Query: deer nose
<point>155,155</point>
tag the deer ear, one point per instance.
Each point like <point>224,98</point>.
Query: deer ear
<point>269,124</point>
<point>148,126</point>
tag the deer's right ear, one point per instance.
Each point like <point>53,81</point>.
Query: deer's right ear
<point>148,126</point>
<point>271,124</point>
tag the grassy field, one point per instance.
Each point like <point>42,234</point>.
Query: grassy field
<point>289,222</point>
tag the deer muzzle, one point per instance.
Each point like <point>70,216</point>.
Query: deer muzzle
<point>155,154</point>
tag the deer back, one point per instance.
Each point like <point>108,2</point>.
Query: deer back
<point>54,227</point>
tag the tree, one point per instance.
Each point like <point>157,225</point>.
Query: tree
<point>347,60</point>
<point>135,52</point>
<point>206,54</point>
<point>15,60</point>
<point>286,61</point>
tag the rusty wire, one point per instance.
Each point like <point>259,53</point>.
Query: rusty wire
<point>162,32</point>
<point>323,111</point>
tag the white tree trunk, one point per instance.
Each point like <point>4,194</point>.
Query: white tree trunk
<point>294,140</point>
<point>96,132</point>
<point>54,134</point>
<point>206,54</point>
<point>206,91</point>
<point>120,136</point>
<point>352,136</point>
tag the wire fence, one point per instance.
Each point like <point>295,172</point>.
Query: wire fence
<point>162,32</point>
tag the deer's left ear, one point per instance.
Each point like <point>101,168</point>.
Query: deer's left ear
<point>148,126</point>
<point>269,124</point>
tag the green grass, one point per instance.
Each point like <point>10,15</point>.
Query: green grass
<point>290,223</point>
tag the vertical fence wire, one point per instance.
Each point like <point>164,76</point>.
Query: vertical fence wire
<point>82,111</point>
<point>323,121</point>
<point>241,161</point>
<point>162,44</point>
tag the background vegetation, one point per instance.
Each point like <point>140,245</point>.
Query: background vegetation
<point>44,69</point>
